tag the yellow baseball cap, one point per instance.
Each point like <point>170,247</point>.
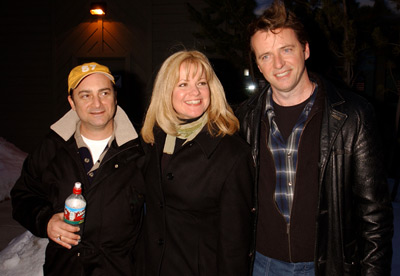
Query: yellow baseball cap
<point>81,71</point>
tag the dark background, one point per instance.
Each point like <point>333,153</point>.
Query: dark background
<point>41,41</point>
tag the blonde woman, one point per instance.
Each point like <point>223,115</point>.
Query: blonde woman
<point>198,174</point>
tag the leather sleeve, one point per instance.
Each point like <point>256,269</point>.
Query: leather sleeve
<point>374,208</point>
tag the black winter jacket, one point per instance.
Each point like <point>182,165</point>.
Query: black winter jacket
<point>114,200</point>
<point>354,225</point>
<point>198,208</point>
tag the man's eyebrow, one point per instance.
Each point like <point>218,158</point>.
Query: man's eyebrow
<point>282,47</point>
<point>84,91</point>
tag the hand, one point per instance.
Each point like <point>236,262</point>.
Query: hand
<point>61,232</point>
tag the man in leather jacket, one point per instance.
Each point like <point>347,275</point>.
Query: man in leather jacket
<point>322,204</point>
<point>96,144</point>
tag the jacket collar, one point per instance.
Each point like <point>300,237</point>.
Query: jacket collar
<point>259,99</point>
<point>333,96</point>
<point>206,142</point>
<point>123,128</point>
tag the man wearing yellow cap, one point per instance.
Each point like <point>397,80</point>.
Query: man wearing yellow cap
<point>95,144</point>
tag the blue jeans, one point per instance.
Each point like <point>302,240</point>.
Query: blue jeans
<point>264,266</point>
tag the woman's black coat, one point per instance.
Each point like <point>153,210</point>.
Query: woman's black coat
<point>198,210</point>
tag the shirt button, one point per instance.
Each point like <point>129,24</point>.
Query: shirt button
<point>91,174</point>
<point>87,160</point>
<point>253,210</point>
<point>116,166</point>
<point>170,176</point>
<point>290,183</point>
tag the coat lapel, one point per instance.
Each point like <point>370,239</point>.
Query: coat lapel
<point>332,122</point>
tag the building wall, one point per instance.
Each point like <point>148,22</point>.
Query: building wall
<point>121,40</point>
<point>43,40</point>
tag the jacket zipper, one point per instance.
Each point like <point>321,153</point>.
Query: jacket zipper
<point>289,247</point>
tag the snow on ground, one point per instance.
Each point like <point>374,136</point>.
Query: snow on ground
<point>24,256</point>
<point>11,159</point>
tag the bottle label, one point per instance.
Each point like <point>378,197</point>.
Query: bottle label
<point>74,215</point>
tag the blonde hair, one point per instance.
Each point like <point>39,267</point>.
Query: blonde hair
<point>221,120</point>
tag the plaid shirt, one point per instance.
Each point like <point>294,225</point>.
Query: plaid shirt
<point>285,154</point>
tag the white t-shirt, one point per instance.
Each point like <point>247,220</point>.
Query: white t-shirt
<point>96,147</point>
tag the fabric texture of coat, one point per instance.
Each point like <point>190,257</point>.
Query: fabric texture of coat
<point>115,198</point>
<point>354,225</point>
<point>198,210</point>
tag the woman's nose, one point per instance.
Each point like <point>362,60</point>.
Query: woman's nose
<point>194,90</point>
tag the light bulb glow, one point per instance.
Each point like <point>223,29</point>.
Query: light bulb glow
<point>97,12</point>
<point>251,87</point>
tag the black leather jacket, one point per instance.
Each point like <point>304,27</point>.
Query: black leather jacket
<point>354,218</point>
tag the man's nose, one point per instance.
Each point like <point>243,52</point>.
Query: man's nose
<point>96,101</point>
<point>279,62</point>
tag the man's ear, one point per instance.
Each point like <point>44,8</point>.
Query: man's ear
<point>71,102</point>
<point>259,68</point>
<point>306,51</point>
<point>115,96</point>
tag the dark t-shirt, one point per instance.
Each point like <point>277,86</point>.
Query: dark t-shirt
<point>286,117</point>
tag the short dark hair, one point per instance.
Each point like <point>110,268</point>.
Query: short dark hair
<point>278,17</point>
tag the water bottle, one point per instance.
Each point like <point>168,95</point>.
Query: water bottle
<point>75,206</point>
